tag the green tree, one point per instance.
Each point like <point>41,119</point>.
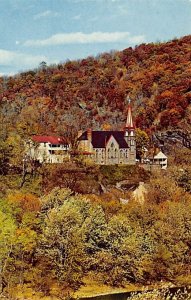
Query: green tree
<point>142,142</point>
<point>5,155</point>
<point>7,241</point>
<point>61,245</point>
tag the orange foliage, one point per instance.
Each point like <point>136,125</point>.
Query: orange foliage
<point>157,77</point>
<point>26,202</point>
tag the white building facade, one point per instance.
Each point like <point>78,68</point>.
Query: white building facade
<point>160,159</point>
<point>48,149</point>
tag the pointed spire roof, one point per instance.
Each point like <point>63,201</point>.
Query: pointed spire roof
<point>129,122</point>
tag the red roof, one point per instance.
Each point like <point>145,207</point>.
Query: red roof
<point>48,139</point>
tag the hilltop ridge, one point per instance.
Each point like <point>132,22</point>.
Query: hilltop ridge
<point>93,91</point>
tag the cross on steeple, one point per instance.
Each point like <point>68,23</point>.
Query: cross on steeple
<point>128,99</point>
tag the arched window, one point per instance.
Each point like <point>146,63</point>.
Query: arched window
<point>108,153</point>
<point>102,153</point>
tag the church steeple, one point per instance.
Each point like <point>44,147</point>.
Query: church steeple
<point>129,132</point>
<point>129,123</point>
<point>129,126</point>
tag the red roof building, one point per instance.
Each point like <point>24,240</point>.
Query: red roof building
<point>48,149</point>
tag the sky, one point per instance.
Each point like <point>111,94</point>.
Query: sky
<point>32,31</point>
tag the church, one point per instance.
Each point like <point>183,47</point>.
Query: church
<point>110,147</point>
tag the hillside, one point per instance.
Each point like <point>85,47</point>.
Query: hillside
<point>69,230</point>
<point>51,98</point>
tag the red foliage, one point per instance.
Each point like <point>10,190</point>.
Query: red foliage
<point>157,77</point>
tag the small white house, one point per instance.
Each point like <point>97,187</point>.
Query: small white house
<point>48,149</point>
<point>160,159</point>
<point>154,158</point>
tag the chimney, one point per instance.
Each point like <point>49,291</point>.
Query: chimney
<point>89,134</point>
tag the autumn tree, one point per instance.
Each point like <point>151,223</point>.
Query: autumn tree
<point>7,241</point>
<point>142,142</point>
<point>62,239</point>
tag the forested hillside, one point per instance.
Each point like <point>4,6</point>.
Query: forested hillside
<point>93,90</point>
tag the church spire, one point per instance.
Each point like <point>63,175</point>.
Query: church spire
<point>129,132</point>
<point>129,122</point>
